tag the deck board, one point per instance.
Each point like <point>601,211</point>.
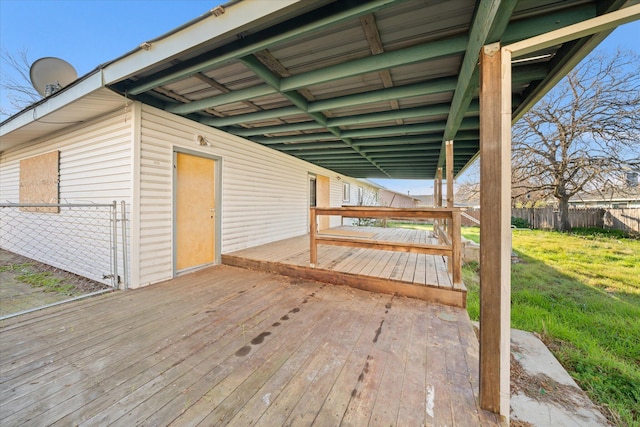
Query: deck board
<point>228,346</point>
<point>416,275</point>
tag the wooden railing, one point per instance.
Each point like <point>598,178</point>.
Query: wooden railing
<point>452,248</point>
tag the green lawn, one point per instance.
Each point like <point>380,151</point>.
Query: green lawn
<point>581,293</point>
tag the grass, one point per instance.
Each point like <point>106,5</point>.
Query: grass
<point>45,280</point>
<point>581,293</point>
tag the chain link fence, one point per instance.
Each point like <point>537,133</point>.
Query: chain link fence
<point>85,239</point>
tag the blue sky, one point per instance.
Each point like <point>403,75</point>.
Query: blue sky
<point>87,33</point>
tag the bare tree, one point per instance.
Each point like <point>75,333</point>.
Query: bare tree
<point>582,136</point>
<point>16,82</point>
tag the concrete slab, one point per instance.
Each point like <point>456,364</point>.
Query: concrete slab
<point>542,392</point>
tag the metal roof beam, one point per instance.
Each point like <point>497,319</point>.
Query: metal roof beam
<point>468,123</point>
<point>225,98</point>
<point>491,18</point>
<point>313,21</point>
<point>289,127</point>
<point>251,117</point>
<point>311,137</point>
<point>253,64</point>
<point>441,85</point>
<point>406,113</point>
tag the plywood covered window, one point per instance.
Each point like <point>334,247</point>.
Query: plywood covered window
<point>40,182</point>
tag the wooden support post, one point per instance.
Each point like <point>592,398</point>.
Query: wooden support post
<point>495,233</point>
<point>456,247</point>
<point>437,225</point>
<point>439,185</point>
<point>449,171</point>
<point>313,244</point>
<point>449,166</point>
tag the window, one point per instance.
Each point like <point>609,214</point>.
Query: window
<point>346,192</point>
<point>360,196</point>
<point>312,191</point>
<point>39,181</point>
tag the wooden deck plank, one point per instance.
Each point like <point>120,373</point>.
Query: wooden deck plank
<point>186,361</point>
<point>412,410</point>
<point>160,351</point>
<point>317,358</point>
<point>92,333</point>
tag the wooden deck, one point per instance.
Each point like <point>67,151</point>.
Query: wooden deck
<point>414,275</point>
<point>228,346</point>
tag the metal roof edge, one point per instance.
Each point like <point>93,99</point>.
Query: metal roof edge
<point>81,87</point>
<point>194,33</point>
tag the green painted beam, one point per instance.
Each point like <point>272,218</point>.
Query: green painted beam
<point>469,123</point>
<point>253,64</point>
<point>441,85</point>
<point>255,43</point>
<point>219,122</point>
<point>383,61</point>
<point>391,115</point>
<point>489,18</point>
<point>342,152</point>
<point>500,29</point>
<point>307,146</point>
<point>408,141</point>
<point>290,127</point>
<point>225,98</point>
<point>312,137</point>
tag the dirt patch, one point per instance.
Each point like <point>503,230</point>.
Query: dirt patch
<point>26,284</point>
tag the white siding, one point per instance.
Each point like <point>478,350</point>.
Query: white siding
<point>264,192</point>
<point>95,167</point>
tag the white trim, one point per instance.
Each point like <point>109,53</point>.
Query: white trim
<point>243,15</point>
<point>134,216</point>
<point>582,29</point>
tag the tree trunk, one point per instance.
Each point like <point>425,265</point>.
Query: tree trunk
<point>564,224</point>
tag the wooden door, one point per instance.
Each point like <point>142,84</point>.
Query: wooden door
<point>323,200</point>
<point>195,211</point>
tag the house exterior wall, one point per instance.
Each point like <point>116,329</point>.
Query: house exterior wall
<point>360,193</point>
<point>396,200</point>
<point>265,194</point>
<point>94,167</point>
<point>128,156</point>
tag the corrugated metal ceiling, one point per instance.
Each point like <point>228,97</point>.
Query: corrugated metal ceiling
<point>369,92</point>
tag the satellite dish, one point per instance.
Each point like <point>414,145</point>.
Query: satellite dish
<point>49,75</point>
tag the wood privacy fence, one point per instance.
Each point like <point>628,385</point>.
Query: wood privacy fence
<point>625,219</point>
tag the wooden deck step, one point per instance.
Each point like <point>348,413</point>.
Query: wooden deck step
<point>409,274</point>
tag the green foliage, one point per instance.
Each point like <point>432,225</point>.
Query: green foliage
<point>520,222</point>
<point>581,293</point>
<point>16,267</point>
<point>47,281</point>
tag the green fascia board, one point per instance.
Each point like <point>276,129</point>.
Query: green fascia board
<point>257,42</point>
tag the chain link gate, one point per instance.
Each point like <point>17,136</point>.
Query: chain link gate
<point>84,239</point>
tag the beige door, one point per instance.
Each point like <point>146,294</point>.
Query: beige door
<point>323,200</point>
<point>195,211</point>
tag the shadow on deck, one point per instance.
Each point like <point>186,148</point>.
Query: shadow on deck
<point>228,346</point>
<point>414,275</point>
